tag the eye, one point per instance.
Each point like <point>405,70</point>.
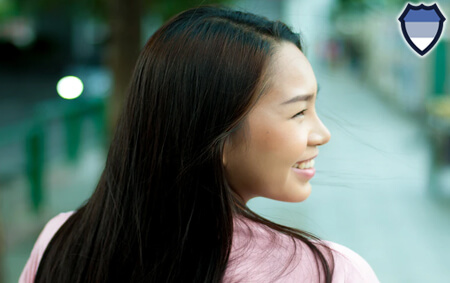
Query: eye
<point>301,112</point>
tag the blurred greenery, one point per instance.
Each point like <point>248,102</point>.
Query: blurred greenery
<point>98,8</point>
<point>119,15</point>
<point>361,7</point>
<point>7,9</point>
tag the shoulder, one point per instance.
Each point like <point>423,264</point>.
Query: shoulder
<point>350,266</point>
<point>258,253</point>
<point>40,245</point>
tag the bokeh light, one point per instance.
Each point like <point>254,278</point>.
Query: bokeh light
<point>69,87</point>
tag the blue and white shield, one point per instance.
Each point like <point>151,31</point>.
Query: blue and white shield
<point>422,26</point>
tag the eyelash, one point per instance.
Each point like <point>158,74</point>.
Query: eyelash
<point>299,113</point>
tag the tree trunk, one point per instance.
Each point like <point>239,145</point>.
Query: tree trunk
<point>124,47</point>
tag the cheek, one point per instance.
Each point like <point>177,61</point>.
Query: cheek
<point>264,165</point>
<point>268,134</point>
<point>283,143</point>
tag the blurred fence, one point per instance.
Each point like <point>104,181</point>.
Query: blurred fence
<point>25,149</point>
<point>33,131</point>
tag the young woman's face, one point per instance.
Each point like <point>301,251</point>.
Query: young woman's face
<point>260,163</point>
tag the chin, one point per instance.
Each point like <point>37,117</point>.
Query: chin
<point>300,195</point>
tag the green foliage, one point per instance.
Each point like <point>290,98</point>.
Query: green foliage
<point>7,9</point>
<point>358,6</point>
<point>99,8</point>
<point>169,8</point>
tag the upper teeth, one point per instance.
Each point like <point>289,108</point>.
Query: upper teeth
<point>306,164</point>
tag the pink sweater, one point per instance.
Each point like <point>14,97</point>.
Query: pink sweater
<point>268,257</point>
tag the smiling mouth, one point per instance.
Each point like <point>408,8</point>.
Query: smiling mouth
<point>305,164</point>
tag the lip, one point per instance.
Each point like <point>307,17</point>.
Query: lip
<point>307,159</point>
<point>305,173</point>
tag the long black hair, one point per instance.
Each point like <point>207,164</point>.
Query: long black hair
<point>162,210</point>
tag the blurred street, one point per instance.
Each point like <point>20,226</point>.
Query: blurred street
<point>370,191</point>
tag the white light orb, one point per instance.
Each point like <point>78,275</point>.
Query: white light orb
<point>69,87</point>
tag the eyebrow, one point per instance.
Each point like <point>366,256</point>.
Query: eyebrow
<point>304,97</point>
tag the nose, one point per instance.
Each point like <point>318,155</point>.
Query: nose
<point>320,135</point>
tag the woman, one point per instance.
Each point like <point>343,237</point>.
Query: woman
<point>211,120</point>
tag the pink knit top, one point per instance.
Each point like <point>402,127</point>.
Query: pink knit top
<point>257,255</point>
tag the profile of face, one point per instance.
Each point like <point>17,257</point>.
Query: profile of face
<point>278,135</point>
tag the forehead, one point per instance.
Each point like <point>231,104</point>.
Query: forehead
<point>291,73</point>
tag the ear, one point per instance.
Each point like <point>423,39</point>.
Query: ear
<point>224,159</point>
<point>225,152</point>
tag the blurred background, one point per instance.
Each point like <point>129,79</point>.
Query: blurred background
<point>382,183</point>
